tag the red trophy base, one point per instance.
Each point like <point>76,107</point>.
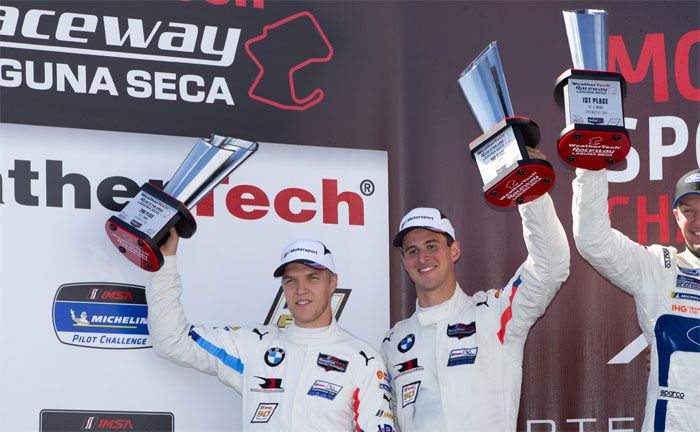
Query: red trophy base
<point>139,247</point>
<point>593,147</point>
<point>531,179</point>
<point>590,145</point>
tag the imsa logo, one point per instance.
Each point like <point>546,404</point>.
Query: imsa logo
<point>281,316</point>
<point>78,420</point>
<point>101,315</point>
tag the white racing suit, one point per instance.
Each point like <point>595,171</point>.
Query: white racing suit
<point>290,379</point>
<point>666,290</point>
<point>458,366</point>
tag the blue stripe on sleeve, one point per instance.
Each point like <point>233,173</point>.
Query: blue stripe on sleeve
<point>233,362</point>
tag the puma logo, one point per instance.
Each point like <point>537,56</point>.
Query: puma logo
<point>367,359</point>
<point>257,332</point>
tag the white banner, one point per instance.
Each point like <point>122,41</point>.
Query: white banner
<point>71,306</point>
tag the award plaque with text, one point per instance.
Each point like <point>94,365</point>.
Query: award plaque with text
<point>142,226</point>
<point>510,176</point>
<point>595,136</point>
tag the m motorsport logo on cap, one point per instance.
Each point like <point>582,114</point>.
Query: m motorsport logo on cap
<point>423,217</point>
<point>101,315</point>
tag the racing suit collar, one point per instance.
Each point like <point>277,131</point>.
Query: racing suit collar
<point>441,312</point>
<point>690,257</point>
<point>309,336</point>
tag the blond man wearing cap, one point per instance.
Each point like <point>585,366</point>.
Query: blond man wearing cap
<point>456,363</point>
<point>665,285</point>
<point>310,376</point>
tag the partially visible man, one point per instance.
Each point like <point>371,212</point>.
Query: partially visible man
<point>456,363</point>
<point>665,285</point>
<point>310,376</point>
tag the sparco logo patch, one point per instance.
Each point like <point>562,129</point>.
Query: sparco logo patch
<point>101,315</point>
<point>328,363</point>
<point>461,330</point>
<point>75,420</point>
<point>672,394</point>
<point>667,258</point>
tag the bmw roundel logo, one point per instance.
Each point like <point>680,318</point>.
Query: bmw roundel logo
<point>274,356</point>
<point>406,343</point>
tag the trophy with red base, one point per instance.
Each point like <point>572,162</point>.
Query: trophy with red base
<point>142,226</point>
<point>509,175</point>
<point>595,136</point>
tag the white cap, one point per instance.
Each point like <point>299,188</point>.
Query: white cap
<point>424,217</point>
<point>309,252</point>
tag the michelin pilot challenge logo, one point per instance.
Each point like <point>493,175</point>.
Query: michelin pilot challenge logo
<point>101,315</point>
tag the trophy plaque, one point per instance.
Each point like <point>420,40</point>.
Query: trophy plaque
<point>595,136</point>
<point>510,176</point>
<point>142,226</point>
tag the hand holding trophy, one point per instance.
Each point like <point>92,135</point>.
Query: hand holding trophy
<point>595,136</point>
<point>142,226</point>
<point>510,176</point>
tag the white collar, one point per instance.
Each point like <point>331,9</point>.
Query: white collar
<point>440,312</point>
<point>310,335</point>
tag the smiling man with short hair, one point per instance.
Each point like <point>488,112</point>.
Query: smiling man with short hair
<point>456,363</point>
<point>665,285</point>
<point>310,376</point>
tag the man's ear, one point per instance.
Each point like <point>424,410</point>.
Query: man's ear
<point>677,215</point>
<point>334,280</point>
<point>455,251</point>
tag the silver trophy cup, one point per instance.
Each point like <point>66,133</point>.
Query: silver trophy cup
<point>509,175</point>
<point>595,136</point>
<point>142,226</point>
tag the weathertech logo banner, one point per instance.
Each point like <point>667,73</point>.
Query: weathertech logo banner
<point>281,316</point>
<point>71,421</point>
<point>101,315</point>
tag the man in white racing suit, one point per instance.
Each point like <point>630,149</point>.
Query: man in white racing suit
<point>310,376</point>
<point>456,363</point>
<point>665,285</point>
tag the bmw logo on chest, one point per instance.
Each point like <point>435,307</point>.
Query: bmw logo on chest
<point>406,343</point>
<point>274,356</point>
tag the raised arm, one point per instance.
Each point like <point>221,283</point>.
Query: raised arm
<point>215,351</point>
<point>525,298</point>
<point>623,261</point>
